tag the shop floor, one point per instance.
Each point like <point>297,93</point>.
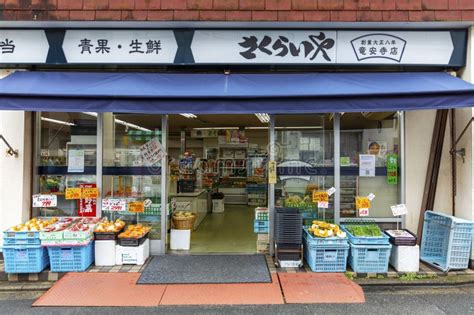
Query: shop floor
<point>101,289</point>
<point>320,288</point>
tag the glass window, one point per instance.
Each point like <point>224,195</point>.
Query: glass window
<point>305,163</point>
<point>127,173</point>
<point>369,162</point>
<point>66,158</point>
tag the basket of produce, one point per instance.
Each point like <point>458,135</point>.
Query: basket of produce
<point>108,230</point>
<point>27,233</point>
<point>323,233</point>
<point>183,220</point>
<point>365,233</point>
<point>134,235</point>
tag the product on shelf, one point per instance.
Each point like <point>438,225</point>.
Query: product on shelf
<point>109,226</point>
<point>33,225</point>
<point>324,229</point>
<point>364,230</point>
<point>135,231</point>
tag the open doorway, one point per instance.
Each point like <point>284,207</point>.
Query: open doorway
<point>218,171</point>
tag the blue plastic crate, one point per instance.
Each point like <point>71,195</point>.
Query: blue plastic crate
<point>369,258</point>
<point>313,241</point>
<point>260,229</point>
<point>367,240</point>
<point>326,258</point>
<point>261,224</point>
<point>71,258</point>
<point>21,235</point>
<point>25,259</point>
<point>446,241</point>
<point>21,241</point>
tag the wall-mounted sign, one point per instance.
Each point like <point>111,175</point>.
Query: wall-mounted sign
<point>151,152</point>
<point>45,201</point>
<point>244,46</point>
<point>119,46</point>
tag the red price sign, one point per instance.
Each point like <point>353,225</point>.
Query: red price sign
<point>87,207</point>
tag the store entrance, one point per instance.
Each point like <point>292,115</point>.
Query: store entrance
<point>217,171</point>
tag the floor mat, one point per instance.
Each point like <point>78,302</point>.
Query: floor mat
<point>223,294</point>
<point>101,289</point>
<point>192,269</point>
<point>320,288</point>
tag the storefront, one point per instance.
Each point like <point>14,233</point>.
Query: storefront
<point>292,111</point>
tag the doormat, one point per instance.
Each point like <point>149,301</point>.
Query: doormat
<point>191,269</point>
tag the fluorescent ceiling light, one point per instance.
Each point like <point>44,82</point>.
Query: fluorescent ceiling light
<point>285,128</point>
<point>59,122</point>
<point>121,122</point>
<point>263,117</point>
<point>190,116</point>
<point>216,128</point>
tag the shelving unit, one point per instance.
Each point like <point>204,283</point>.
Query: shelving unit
<point>348,194</point>
<point>232,167</point>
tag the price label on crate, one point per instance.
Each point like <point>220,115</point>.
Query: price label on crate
<point>73,193</point>
<point>136,207</point>
<point>320,196</point>
<point>45,201</point>
<point>89,193</point>
<point>362,203</point>
<point>114,204</point>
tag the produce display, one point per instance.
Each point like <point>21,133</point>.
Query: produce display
<point>324,229</point>
<point>183,214</point>
<point>135,231</point>
<point>295,201</point>
<point>364,230</point>
<point>107,226</point>
<point>60,225</point>
<point>79,227</point>
<point>34,225</point>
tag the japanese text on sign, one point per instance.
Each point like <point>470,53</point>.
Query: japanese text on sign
<point>45,201</point>
<point>136,207</point>
<point>362,203</point>
<point>379,46</point>
<point>320,196</point>
<point>272,172</point>
<point>400,209</point>
<point>73,193</point>
<point>392,169</point>
<point>89,193</point>
<point>114,204</point>
<point>363,212</point>
<point>101,46</point>
<point>151,151</point>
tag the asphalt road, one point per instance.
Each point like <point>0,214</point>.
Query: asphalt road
<point>396,300</point>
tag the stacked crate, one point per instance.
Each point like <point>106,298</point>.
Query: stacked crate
<point>288,237</point>
<point>261,228</point>
<point>23,253</point>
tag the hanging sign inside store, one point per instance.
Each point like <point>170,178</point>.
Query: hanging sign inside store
<point>151,152</point>
<point>398,210</point>
<point>136,207</point>
<point>87,205</point>
<point>272,172</point>
<point>392,169</point>
<point>109,204</point>
<point>45,201</point>
<point>73,193</point>
<point>444,48</point>
<point>120,46</point>
<point>321,198</point>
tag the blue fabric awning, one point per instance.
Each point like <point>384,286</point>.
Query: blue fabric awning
<point>274,93</point>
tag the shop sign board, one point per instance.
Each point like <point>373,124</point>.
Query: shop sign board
<point>45,201</point>
<point>73,193</point>
<point>110,204</point>
<point>392,169</point>
<point>234,47</point>
<point>272,172</point>
<point>120,46</point>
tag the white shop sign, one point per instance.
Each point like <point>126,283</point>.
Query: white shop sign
<point>120,46</point>
<point>23,46</point>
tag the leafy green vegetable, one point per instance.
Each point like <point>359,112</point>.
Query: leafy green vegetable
<point>364,230</point>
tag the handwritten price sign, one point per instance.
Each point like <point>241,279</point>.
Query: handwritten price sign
<point>73,193</point>
<point>89,193</point>
<point>320,196</point>
<point>45,201</point>
<point>362,203</point>
<point>136,207</point>
<point>114,205</point>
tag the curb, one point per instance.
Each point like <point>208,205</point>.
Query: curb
<point>25,286</point>
<point>371,283</point>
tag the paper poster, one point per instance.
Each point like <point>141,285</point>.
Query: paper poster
<point>110,204</point>
<point>136,207</point>
<point>323,204</point>
<point>398,210</point>
<point>392,169</point>
<point>371,196</point>
<point>320,196</point>
<point>73,193</point>
<point>362,203</point>
<point>45,201</point>
<point>87,207</point>
<point>75,161</point>
<point>272,172</point>
<point>366,165</point>
<point>151,152</point>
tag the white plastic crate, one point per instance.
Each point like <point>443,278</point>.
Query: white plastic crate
<point>105,252</point>
<point>132,255</point>
<point>180,239</point>
<point>405,258</point>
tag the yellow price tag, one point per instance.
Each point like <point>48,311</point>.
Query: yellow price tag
<point>136,207</point>
<point>272,172</point>
<point>362,203</point>
<point>320,196</point>
<point>73,193</point>
<point>90,193</point>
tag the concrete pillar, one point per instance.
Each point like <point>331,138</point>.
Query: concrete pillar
<point>15,172</point>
